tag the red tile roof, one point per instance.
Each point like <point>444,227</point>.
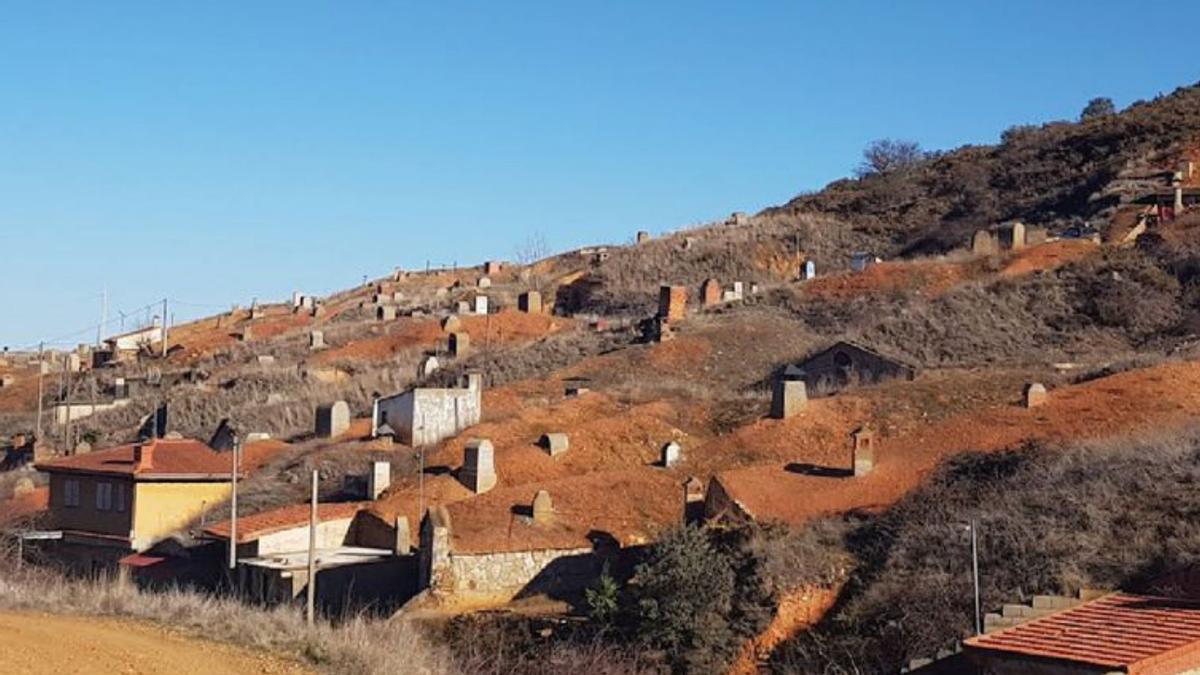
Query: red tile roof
<point>261,524</point>
<point>1138,633</point>
<point>163,459</point>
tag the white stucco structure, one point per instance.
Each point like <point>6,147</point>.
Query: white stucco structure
<point>425,416</point>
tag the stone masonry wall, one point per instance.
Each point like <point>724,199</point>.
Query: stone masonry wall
<point>510,573</point>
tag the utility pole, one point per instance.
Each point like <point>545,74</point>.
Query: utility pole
<point>420,466</point>
<point>975,574</point>
<point>164,328</point>
<point>103,316</point>
<point>67,400</point>
<point>41,376</point>
<point>312,554</point>
<point>233,479</point>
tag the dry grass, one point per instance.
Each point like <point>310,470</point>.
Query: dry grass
<point>353,647</point>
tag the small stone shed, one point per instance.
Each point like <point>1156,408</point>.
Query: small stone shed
<point>845,363</point>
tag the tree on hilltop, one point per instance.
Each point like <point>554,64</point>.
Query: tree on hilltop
<point>1098,107</point>
<point>887,155</point>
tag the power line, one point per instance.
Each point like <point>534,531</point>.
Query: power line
<point>71,338</point>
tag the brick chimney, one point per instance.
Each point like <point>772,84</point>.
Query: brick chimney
<point>143,456</point>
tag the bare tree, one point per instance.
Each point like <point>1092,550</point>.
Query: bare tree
<point>533,249</point>
<point>887,155</point>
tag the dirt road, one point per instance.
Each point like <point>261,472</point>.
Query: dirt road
<point>65,645</point>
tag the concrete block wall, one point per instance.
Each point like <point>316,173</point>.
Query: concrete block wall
<point>1012,614</point>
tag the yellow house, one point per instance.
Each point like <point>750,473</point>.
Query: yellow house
<point>126,499</point>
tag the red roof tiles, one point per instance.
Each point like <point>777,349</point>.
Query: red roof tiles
<point>1138,633</point>
<point>163,459</point>
<point>254,526</point>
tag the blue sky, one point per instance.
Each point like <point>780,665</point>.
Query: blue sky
<point>214,152</point>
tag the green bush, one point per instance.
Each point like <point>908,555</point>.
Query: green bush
<point>603,599</point>
<point>682,594</point>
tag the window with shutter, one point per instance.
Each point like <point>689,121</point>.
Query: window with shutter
<point>71,493</point>
<point>103,496</point>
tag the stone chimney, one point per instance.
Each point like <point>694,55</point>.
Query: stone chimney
<point>788,398</point>
<point>433,567</point>
<point>478,472</point>
<point>143,456</point>
<point>379,479</point>
<point>693,500</point>
<point>473,381</point>
<point>403,536</point>
<point>1177,183</point>
<point>530,302</point>
<point>459,344</point>
<point>864,451</point>
<point>543,508</point>
<point>671,454</point>
<point>1035,395</point>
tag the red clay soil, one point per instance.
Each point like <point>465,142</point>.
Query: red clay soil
<point>936,277</point>
<point>205,336</point>
<point>604,435</point>
<point>798,609</point>
<point>889,277</point>
<point>25,505</point>
<point>503,328</point>
<point>678,355</point>
<point>630,507</point>
<point>1048,256</point>
<point>1150,400</point>
<point>202,337</point>
<point>607,435</point>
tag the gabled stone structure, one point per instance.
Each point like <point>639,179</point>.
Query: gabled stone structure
<point>843,364</point>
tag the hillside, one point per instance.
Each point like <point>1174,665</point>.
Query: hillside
<point>1108,326</point>
<point>1055,174</point>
